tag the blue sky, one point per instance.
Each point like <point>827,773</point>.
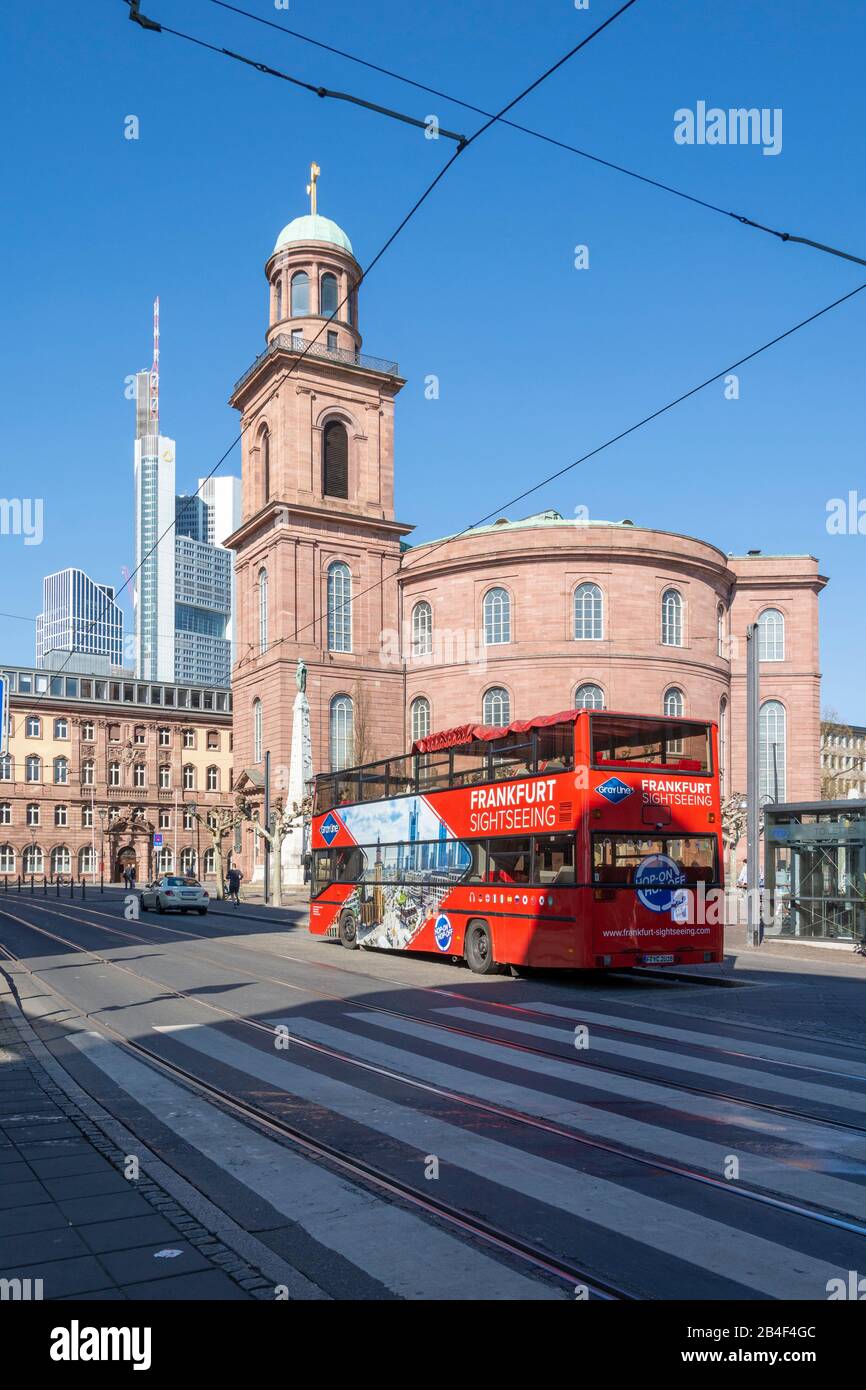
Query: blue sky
<point>538,362</point>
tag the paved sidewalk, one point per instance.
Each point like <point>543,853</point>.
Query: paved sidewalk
<point>70,1218</point>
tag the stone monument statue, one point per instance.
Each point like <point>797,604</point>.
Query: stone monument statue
<point>300,782</point>
<point>301,675</point>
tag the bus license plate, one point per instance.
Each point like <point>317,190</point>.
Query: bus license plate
<point>657,960</point>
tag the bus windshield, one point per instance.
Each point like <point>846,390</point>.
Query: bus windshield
<point>680,745</point>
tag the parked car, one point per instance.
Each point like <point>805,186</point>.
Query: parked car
<point>172,893</point>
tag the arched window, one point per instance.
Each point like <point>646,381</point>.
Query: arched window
<point>33,727</point>
<point>672,618</point>
<point>420,711</point>
<point>278,298</point>
<point>33,768</point>
<point>335,460</point>
<point>265,461</point>
<point>339,607</point>
<point>771,635</point>
<point>257,731</point>
<point>496,614</point>
<point>328,295</point>
<point>263,610</point>
<point>188,777</point>
<point>187,862</point>
<point>165,861</point>
<point>213,779</point>
<point>772,751</point>
<point>341,732</point>
<point>496,706</point>
<point>61,771</point>
<point>33,861</point>
<point>300,294</point>
<point>720,629</point>
<point>588,610</point>
<point>7,859</point>
<point>723,745</point>
<point>86,861</point>
<point>675,703</point>
<point>589,696</point>
<point>61,861</point>
<point>6,767</point>
<point>422,629</point>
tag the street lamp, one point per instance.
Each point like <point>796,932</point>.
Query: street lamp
<point>101,845</point>
<point>193,806</point>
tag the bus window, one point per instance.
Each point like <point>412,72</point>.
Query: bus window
<point>321,870</point>
<point>554,859</point>
<point>348,865</point>
<point>509,860</point>
<point>477,869</point>
<point>511,760</point>
<point>555,748</point>
<point>470,765</point>
<point>623,741</point>
<point>615,858</point>
<point>432,772</point>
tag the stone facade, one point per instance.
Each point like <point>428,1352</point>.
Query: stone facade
<point>403,676</point>
<point>89,779</point>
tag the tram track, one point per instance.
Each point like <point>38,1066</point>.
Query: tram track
<point>461,1030</point>
<point>811,1212</point>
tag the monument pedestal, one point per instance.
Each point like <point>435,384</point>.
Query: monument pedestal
<point>300,782</point>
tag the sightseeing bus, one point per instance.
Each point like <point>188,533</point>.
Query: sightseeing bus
<point>586,839</point>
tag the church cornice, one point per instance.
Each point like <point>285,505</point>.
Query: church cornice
<point>327,365</point>
<point>277,515</point>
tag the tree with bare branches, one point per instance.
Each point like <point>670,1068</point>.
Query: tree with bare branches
<point>219,823</point>
<point>284,819</point>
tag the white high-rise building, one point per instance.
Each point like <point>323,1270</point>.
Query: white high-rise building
<point>81,617</point>
<point>184,578</point>
<point>154,583</point>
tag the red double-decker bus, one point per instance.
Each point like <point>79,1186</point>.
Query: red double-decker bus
<point>587,840</point>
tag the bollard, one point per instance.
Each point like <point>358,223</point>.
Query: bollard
<point>83,887</point>
<point>71,886</point>
<point>19,883</point>
<point>44,886</point>
<point>101,883</point>
<point>57,887</point>
<point>32,890</point>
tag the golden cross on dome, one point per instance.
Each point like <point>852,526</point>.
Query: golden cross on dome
<point>315,171</point>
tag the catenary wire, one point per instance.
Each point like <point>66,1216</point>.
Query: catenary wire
<point>541,135</point>
<point>134,4</point>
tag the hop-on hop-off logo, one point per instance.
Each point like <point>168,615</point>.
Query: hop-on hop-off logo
<point>329,829</point>
<point>614,790</point>
<point>657,879</point>
<point>443,931</point>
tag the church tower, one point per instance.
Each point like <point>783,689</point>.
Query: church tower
<point>318,547</point>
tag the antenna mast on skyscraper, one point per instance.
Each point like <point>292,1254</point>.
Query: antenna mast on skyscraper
<point>154,371</point>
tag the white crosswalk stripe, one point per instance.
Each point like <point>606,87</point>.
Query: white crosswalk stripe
<point>693,1066</point>
<point>408,1256</point>
<point>732,1253</point>
<point>797,1179</point>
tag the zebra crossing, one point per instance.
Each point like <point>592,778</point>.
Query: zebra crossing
<point>591,1157</point>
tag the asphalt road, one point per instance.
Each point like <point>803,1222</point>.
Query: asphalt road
<point>404,1129</point>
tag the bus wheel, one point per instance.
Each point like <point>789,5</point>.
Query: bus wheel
<point>348,932</point>
<point>479,949</point>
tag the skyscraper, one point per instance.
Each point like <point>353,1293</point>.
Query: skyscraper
<point>81,617</point>
<point>183,588</point>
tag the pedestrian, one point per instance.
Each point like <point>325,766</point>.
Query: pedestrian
<point>132,877</point>
<point>234,884</point>
<point>743,876</point>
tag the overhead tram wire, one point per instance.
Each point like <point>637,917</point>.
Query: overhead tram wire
<point>268,71</point>
<point>744,220</point>
<point>600,448</point>
<point>146,23</point>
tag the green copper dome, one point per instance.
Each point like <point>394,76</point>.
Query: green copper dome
<point>312,227</point>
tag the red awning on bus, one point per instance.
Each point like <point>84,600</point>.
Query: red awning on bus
<point>468,733</point>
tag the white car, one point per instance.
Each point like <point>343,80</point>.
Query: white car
<point>171,893</point>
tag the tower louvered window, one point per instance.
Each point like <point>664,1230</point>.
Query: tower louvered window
<point>336,460</point>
